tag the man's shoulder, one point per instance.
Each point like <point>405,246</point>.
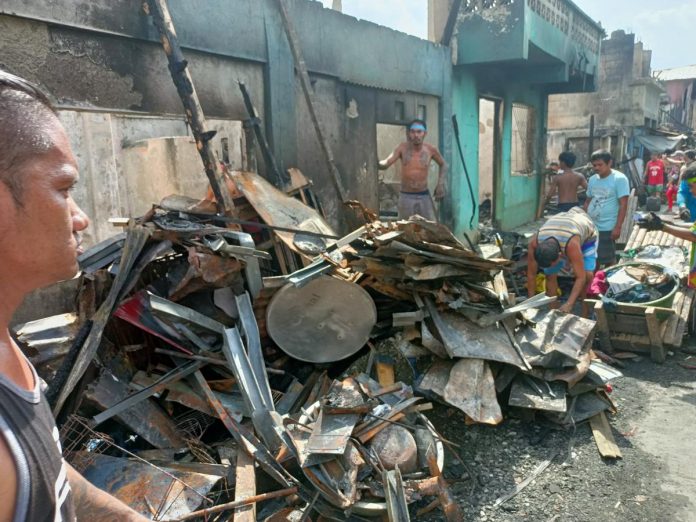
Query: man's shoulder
<point>618,175</point>
<point>432,149</point>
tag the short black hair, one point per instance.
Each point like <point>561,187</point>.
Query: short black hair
<point>691,154</point>
<point>601,155</point>
<point>546,253</point>
<point>417,122</point>
<point>24,111</point>
<point>567,158</point>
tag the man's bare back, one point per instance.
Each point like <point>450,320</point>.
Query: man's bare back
<point>567,184</point>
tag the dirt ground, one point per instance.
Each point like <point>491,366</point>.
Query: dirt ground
<point>655,480</point>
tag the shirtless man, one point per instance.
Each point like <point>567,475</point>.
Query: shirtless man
<point>39,242</point>
<point>566,183</point>
<point>415,158</point>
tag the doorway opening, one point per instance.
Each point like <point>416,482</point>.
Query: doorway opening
<point>489,157</point>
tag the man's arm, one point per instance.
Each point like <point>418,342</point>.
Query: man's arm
<point>553,189</point>
<point>8,484</point>
<point>587,203</point>
<point>680,232</point>
<point>589,195</point>
<point>442,175</point>
<point>623,206</point>
<point>575,258</point>
<point>583,181</point>
<point>91,503</point>
<point>391,159</point>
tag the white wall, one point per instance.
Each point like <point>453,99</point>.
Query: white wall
<point>126,165</point>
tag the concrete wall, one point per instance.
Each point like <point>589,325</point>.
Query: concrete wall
<point>680,110</point>
<point>516,197</point>
<point>104,58</point>
<point>625,98</point>
<point>127,162</point>
<point>487,149</point>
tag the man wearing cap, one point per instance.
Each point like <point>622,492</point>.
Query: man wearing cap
<point>569,240</point>
<point>415,156</point>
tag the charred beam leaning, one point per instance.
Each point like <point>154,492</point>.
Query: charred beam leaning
<point>282,178</point>
<point>309,97</point>
<point>178,67</point>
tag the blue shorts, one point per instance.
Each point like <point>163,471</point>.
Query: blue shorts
<point>589,258</point>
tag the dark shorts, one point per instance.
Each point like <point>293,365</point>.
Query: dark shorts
<point>606,251</point>
<point>565,207</point>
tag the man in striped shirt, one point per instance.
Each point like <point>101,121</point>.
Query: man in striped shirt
<point>566,240</point>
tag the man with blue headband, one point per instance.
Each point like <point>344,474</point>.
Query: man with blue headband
<point>415,156</point>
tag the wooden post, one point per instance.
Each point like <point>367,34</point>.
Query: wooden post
<point>603,328</point>
<point>657,349</point>
<point>178,67</point>
<point>245,487</point>
<point>591,138</point>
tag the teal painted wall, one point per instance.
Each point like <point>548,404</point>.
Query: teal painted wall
<point>516,196</point>
<point>519,195</point>
<point>465,106</point>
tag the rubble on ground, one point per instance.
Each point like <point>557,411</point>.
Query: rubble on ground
<point>209,369</point>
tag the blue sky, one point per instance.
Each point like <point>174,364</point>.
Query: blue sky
<point>668,27</point>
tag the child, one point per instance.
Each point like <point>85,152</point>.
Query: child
<point>672,190</point>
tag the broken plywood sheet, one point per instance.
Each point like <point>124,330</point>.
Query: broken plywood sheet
<point>462,338</point>
<point>278,209</point>
<point>557,340</point>
<point>535,394</point>
<point>471,388</point>
<point>332,432</point>
<point>146,418</point>
<point>466,384</point>
<point>142,486</point>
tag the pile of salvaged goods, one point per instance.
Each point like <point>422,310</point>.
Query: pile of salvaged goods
<point>200,377</point>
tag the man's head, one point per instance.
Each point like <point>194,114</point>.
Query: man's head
<point>690,178</point>
<point>654,156</point>
<point>690,155</point>
<point>547,253</point>
<point>39,221</point>
<point>601,162</point>
<point>567,159</point>
<point>417,130</point>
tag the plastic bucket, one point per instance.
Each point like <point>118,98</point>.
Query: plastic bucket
<point>664,301</point>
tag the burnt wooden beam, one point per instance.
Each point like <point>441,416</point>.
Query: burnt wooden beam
<point>308,92</point>
<point>178,67</point>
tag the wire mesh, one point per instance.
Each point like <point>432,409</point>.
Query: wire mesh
<point>82,445</point>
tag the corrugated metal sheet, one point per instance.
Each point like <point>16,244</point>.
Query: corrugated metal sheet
<point>686,72</point>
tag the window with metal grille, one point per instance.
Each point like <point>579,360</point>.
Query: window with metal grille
<point>523,139</point>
